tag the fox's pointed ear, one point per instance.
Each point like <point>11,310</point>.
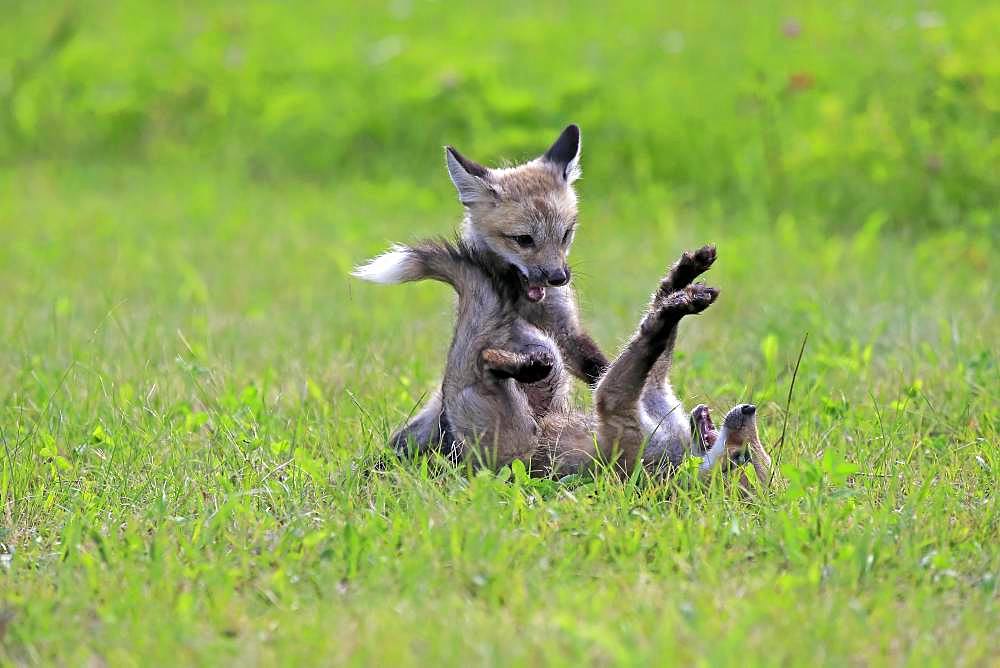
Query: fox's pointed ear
<point>565,153</point>
<point>469,177</point>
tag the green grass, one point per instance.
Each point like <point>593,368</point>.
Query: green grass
<point>194,396</point>
<point>820,110</point>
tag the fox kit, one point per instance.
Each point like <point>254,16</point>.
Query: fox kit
<point>525,217</point>
<point>505,388</point>
<point>503,374</point>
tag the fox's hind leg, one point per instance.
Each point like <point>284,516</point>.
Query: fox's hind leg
<point>568,444</point>
<point>495,422</point>
<point>425,431</point>
<point>621,422</point>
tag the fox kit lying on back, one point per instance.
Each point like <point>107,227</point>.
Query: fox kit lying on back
<point>525,216</point>
<point>504,393</point>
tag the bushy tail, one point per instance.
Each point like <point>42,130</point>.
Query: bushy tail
<point>436,260</point>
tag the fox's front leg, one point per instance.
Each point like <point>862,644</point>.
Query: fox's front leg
<point>761,467</point>
<point>529,367</point>
<point>581,353</point>
<point>688,267</point>
<point>584,358</point>
<point>659,398</point>
<point>559,316</point>
<point>761,463</point>
<point>616,399</point>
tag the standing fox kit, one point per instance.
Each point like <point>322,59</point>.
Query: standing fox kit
<point>523,218</point>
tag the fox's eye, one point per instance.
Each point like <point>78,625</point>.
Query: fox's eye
<point>566,237</point>
<point>523,240</point>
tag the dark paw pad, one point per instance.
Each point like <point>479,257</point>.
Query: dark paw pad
<point>537,367</point>
<point>692,299</point>
<point>705,256</point>
<point>701,296</point>
<point>690,266</point>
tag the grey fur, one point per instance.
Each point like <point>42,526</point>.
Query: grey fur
<point>534,198</point>
<point>505,388</point>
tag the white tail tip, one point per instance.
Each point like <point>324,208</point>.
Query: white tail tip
<point>393,266</point>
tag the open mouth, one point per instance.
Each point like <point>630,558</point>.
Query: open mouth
<point>703,425</point>
<point>535,293</point>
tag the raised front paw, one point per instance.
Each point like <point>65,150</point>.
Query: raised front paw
<point>697,262</point>
<point>694,298</point>
<point>690,266</point>
<point>666,312</point>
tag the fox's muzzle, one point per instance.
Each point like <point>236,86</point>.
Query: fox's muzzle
<point>556,277</point>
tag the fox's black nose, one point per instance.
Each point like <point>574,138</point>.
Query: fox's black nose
<point>558,277</point>
<point>748,409</point>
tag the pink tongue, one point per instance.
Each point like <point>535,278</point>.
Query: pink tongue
<point>536,294</point>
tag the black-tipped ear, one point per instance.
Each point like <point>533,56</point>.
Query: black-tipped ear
<point>469,177</point>
<point>565,153</point>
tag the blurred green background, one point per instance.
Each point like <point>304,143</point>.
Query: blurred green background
<point>195,397</point>
<point>830,111</point>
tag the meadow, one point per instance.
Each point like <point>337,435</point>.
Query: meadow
<point>195,397</point>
